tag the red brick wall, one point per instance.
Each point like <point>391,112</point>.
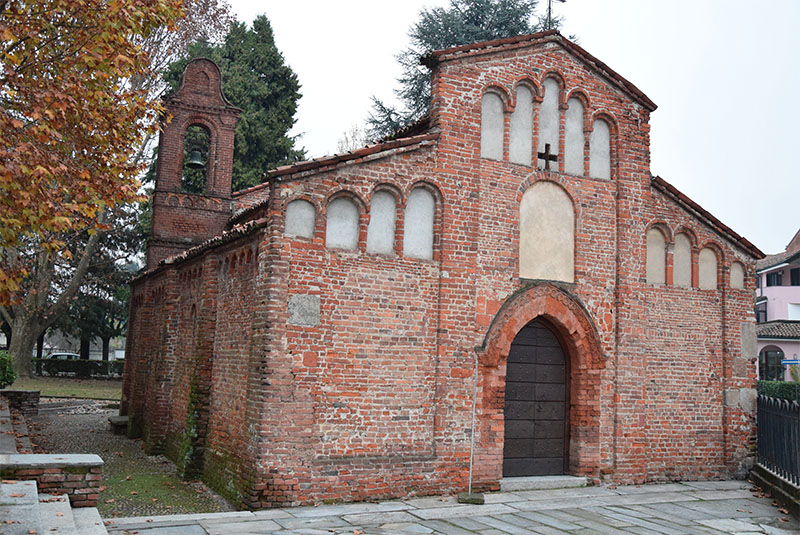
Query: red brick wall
<point>374,400</point>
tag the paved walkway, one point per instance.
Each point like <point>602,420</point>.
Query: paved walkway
<point>716,507</point>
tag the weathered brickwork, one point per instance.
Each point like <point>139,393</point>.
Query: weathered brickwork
<point>285,371</point>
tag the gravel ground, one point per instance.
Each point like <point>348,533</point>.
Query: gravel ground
<point>135,484</point>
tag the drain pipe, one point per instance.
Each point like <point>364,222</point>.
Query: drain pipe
<point>469,497</point>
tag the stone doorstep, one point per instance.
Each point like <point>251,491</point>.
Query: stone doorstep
<point>511,484</point>
<point>55,514</point>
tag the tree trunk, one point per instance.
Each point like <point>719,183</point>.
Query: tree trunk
<point>40,344</point>
<point>26,331</point>
<point>85,343</point>
<point>106,344</point>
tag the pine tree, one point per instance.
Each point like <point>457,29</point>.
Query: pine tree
<point>461,22</point>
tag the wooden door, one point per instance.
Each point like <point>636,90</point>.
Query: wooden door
<point>536,401</point>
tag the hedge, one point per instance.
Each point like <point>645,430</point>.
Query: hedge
<point>79,367</point>
<point>779,389</point>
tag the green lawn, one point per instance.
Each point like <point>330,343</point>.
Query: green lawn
<point>65,387</point>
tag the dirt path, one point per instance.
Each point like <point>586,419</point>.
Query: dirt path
<point>135,483</point>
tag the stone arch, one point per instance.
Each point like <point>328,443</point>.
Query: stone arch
<point>580,340</point>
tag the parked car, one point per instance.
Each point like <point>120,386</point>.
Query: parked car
<point>64,356</point>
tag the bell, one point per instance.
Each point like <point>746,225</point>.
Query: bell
<point>195,160</point>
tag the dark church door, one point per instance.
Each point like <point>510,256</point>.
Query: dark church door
<point>535,404</point>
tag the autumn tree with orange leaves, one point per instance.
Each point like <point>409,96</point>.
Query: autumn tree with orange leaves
<point>69,118</point>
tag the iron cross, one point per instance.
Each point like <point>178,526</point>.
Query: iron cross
<point>547,157</point>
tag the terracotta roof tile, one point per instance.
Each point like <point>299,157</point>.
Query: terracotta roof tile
<point>779,329</point>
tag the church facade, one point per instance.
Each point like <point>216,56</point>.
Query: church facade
<point>329,333</point>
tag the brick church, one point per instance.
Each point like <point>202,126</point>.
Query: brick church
<point>328,333</point>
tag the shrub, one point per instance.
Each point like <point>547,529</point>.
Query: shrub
<point>7,373</point>
<point>779,389</point>
<point>79,368</point>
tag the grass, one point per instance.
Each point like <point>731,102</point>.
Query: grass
<point>66,387</point>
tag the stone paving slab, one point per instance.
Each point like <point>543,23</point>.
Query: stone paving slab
<point>707,508</point>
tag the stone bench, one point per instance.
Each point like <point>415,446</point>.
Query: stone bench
<point>119,424</point>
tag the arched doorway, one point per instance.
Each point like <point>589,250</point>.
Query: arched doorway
<point>536,404</point>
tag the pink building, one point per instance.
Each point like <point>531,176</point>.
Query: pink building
<point>778,311</point>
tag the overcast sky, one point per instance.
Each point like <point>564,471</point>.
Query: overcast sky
<point>724,74</point>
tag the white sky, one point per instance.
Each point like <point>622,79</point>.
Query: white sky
<point>724,74</point>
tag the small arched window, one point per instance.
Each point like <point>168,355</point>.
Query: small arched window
<point>573,138</point>
<point>380,233</point>
<point>737,276</point>
<point>196,144</point>
<point>341,231</point>
<point>547,234</point>
<point>520,141</point>
<point>769,364</point>
<point>549,120</point>
<point>419,218</point>
<point>682,261</point>
<point>300,219</point>
<point>492,126</point>
<point>656,257</point>
<point>707,269</point>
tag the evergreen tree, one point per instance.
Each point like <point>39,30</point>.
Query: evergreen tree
<point>256,79</point>
<point>461,22</point>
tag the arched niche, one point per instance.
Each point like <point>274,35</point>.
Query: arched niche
<point>521,134</point>
<point>574,138</point>
<point>737,276</point>
<point>418,220</point>
<point>547,234</point>
<point>707,269</point>
<point>600,150</point>
<point>656,257</point>
<point>300,219</point>
<point>380,232</point>
<point>196,146</point>
<point>549,120</point>
<point>682,261</point>
<point>341,230</point>
<point>492,126</point>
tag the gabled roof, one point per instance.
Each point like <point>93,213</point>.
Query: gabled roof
<point>521,41</point>
<point>697,210</point>
<point>787,329</point>
<point>774,260</point>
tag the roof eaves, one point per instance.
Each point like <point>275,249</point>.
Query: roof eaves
<point>673,192</point>
<point>433,58</point>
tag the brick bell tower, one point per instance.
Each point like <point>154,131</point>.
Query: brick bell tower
<point>192,197</point>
